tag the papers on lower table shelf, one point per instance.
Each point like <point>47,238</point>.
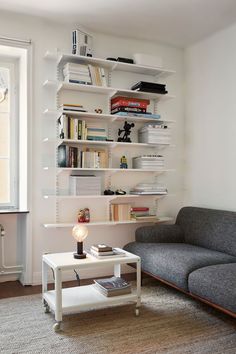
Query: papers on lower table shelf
<point>113,286</point>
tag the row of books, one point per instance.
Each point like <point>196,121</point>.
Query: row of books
<point>73,128</point>
<point>125,212</point>
<point>84,74</point>
<point>148,162</point>
<point>73,157</point>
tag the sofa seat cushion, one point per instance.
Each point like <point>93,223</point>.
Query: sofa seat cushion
<point>216,283</point>
<point>174,261</point>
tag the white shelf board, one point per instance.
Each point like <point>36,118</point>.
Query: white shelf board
<point>105,197</point>
<point>60,169</point>
<point>110,91</point>
<point>107,223</point>
<point>115,65</point>
<point>84,298</point>
<point>109,117</point>
<point>111,144</point>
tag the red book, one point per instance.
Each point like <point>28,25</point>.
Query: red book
<point>130,99</point>
<point>140,209</point>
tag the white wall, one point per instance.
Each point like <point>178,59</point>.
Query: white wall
<point>47,36</point>
<point>211,122</point>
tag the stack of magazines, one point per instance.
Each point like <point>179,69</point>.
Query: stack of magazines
<point>149,189</point>
<point>113,286</point>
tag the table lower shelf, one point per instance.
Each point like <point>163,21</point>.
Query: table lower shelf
<point>84,298</point>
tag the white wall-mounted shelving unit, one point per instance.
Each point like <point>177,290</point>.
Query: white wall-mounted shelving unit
<point>70,92</point>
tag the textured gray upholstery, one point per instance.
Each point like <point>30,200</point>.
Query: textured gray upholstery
<point>216,284</point>
<point>213,229</point>
<point>159,233</point>
<point>174,261</point>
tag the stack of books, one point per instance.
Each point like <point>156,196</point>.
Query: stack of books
<point>149,189</point>
<point>103,251</point>
<point>142,214</point>
<point>69,156</point>
<point>140,211</point>
<point>85,185</point>
<point>77,73</point>
<point>154,134</point>
<point>84,74</point>
<point>149,87</point>
<point>113,286</point>
<point>128,105</point>
<point>148,162</point>
<point>96,131</point>
<point>72,107</point>
<point>120,212</point>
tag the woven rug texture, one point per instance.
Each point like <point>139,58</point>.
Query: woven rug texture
<point>169,322</point>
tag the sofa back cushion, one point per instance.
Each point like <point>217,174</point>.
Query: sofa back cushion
<point>210,228</point>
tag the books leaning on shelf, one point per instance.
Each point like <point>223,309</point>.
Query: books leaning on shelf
<point>120,212</point>
<point>84,74</point>
<point>113,286</point>
<point>112,253</point>
<point>73,157</point>
<point>149,189</point>
<point>85,185</point>
<point>154,162</point>
<point>75,129</point>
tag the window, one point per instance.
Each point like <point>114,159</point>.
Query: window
<point>8,134</point>
<point>15,106</point>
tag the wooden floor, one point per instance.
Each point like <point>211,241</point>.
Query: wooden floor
<point>15,288</point>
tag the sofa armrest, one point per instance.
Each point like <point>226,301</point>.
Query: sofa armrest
<point>160,233</point>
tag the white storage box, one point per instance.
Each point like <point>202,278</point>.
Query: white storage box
<point>154,135</point>
<point>147,60</point>
<point>85,185</point>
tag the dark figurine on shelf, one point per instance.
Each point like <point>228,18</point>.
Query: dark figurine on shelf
<point>98,110</point>
<point>124,134</point>
<point>108,192</point>
<point>123,162</point>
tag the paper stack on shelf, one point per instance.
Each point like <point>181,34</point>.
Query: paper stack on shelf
<point>148,162</point>
<point>85,185</point>
<point>72,107</point>
<point>77,73</point>
<point>154,134</point>
<point>149,189</point>
<point>113,286</point>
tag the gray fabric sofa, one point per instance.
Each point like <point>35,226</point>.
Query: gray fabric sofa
<point>196,255</point>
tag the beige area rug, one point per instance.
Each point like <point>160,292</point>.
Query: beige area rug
<point>169,322</point>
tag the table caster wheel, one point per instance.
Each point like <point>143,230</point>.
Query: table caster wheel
<point>57,326</point>
<point>46,309</point>
<point>136,312</point>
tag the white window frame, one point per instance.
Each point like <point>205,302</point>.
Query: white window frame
<point>12,64</point>
<point>21,52</point>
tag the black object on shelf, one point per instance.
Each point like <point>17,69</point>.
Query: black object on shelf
<point>112,59</point>
<point>149,87</point>
<point>125,60</point>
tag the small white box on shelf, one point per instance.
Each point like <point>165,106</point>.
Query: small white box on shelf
<point>147,60</point>
<point>85,185</point>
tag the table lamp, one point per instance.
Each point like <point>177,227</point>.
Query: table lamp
<point>79,232</point>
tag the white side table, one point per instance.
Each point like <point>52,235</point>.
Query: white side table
<point>80,298</point>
